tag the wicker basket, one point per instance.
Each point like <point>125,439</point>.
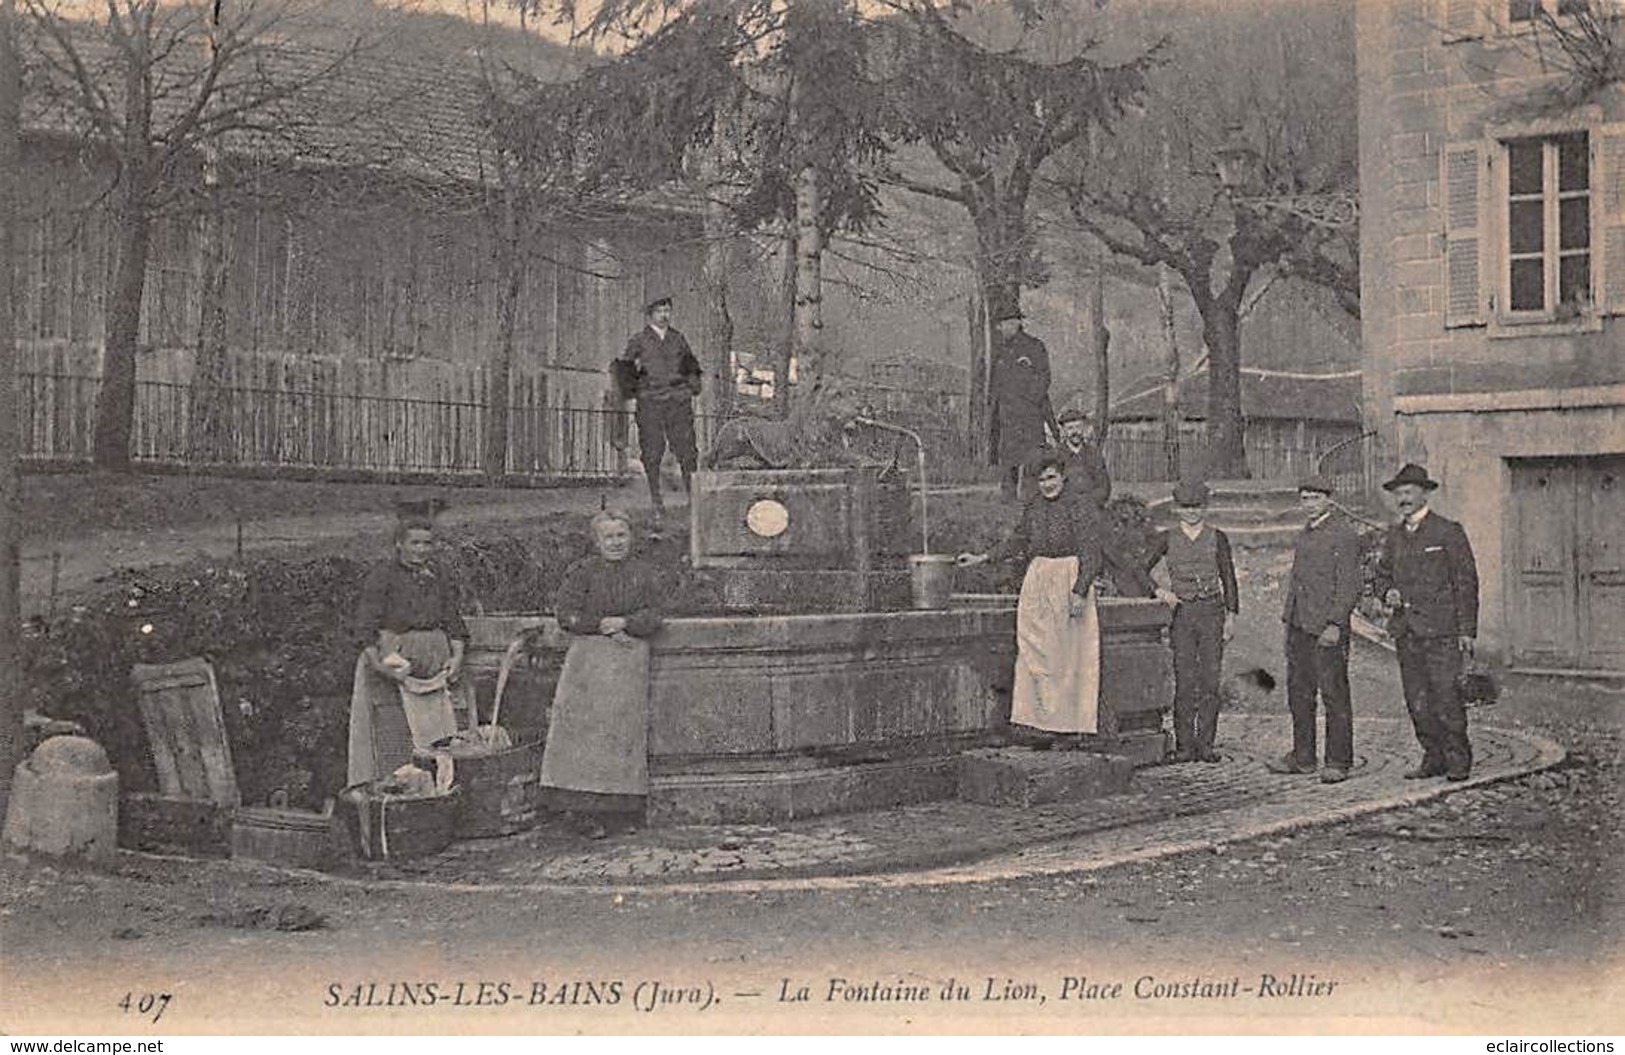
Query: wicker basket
<point>389,827</point>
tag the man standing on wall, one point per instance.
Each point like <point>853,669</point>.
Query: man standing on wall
<point>1020,384</point>
<point>665,378</point>
<point>1321,592</point>
<point>1427,575</point>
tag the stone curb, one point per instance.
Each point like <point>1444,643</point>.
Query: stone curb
<point>1077,853</point>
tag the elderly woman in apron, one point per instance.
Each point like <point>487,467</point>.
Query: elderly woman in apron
<point>1057,678</point>
<point>407,679</point>
<point>596,763</point>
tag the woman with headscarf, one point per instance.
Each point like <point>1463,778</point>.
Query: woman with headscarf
<point>408,677</point>
<point>1057,682</point>
<point>596,763</point>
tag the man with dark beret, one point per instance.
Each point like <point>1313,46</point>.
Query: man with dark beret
<point>659,369</point>
<point>1321,590</point>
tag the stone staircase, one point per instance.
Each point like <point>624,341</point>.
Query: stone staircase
<point>1255,514</point>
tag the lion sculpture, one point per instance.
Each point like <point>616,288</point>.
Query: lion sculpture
<point>820,432</point>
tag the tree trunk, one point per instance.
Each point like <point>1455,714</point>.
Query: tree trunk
<point>981,408</point>
<point>1226,432</point>
<point>11,691</point>
<point>208,412</point>
<point>1170,369</point>
<point>115,403</point>
<point>717,353</point>
<point>1100,344</point>
<point>499,388</point>
<point>807,329</point>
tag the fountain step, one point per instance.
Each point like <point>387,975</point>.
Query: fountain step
<point>775,796</point>
<point>1016,776</point>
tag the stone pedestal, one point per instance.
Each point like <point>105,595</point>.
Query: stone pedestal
<point>64,802</point>
<point>1016,776</point>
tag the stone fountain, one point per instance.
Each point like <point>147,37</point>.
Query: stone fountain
<point>821,690</point>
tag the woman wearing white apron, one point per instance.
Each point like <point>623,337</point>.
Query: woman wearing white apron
<point>1057,682</point>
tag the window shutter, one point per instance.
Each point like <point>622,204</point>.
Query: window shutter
<point>1464,19</point>
<point>1463,181</point>
<point>1608,175</point>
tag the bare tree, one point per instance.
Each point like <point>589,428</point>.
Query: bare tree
<point>157,87</point>
<point>1268,96</point>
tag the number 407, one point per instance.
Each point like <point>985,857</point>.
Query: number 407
<point>145,1004</point>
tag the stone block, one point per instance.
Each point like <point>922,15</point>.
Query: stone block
<point>64,802</point>
<point>774,796</point>
<point>1020,777</point>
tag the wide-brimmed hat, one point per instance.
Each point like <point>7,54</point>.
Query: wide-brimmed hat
<point>1316,482</point>
<point>1006,311</point>
<point>1411,473</point>
<point>1190,493</point>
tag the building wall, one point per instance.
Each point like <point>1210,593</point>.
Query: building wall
<point>1451,380</point>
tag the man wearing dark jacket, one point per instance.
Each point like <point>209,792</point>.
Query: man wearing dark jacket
<point>665,378</point>
<point>1085,466</point>
<point>1427,575</point>
<point>1021,406</point>
<point>1321,590</point>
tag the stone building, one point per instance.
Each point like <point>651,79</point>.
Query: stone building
<point>1492,174</point>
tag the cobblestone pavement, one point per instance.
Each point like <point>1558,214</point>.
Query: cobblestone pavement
<point>1170,809</point>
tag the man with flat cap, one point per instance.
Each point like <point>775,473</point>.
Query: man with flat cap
<point>1020,387</point>
<point>1321,590</point>
<point>662,373</point>
<point>1085,467</point>
<point>1427,575</point>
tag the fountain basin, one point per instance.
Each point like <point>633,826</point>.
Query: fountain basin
<point>768,718</point>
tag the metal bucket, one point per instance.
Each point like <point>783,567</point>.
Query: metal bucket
<point>932,578</point>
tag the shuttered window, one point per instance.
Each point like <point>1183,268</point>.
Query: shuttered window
<point>1534,228</point>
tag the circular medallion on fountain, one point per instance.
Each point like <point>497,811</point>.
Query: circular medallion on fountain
<point>767,518</point>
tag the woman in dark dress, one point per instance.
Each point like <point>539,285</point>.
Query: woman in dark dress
<point>596,763</point>
<point>1057,681</point>
<point>407,679</point>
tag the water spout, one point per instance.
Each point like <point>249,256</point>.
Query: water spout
<point>919,447</point>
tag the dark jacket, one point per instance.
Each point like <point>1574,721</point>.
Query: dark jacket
<point>1020,383</point>
<point>1324,583</point>
<point>666,367</point>
<point>1057,527</point>
<point>1437,579</point>
<point>1221,555</point>
<point>1086,472</point>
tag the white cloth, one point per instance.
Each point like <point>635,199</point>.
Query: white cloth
<point>1057,686</point>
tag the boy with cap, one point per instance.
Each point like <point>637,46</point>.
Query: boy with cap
<point>1321,590</point>
<point>665,377</point>
<point>1428,576</point>
<point>1202,591</point>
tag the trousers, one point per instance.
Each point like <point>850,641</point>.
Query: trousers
<point>1428,669</point>
<point>662,422</point>
<point>1197,636</point>
<point>1312,670</point>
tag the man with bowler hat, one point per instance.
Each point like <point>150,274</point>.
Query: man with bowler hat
<point>1202,592</point>
<point>665,377</point>
<point>1427,575</point>
<point>1321,590</point>
<point>1021,406</point>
